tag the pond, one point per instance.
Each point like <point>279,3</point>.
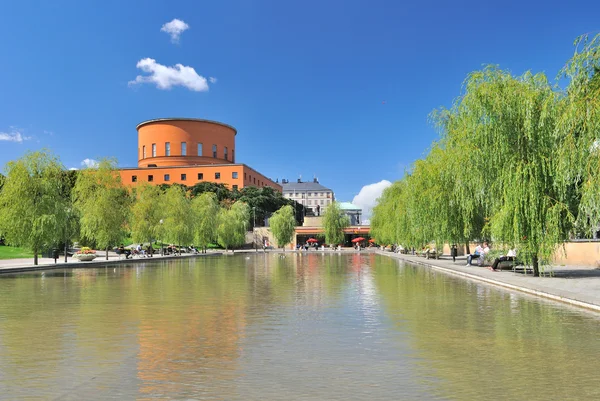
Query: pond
<point>300,327</point>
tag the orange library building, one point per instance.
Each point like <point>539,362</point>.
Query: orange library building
<point>188,151</point>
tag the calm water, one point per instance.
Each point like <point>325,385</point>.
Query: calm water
<point>304,327</point>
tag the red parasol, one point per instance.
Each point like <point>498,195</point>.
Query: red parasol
<point>371,240</point>
<point>358,239</point>
<point>312,240</point>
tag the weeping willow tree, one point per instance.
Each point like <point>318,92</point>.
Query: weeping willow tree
<point>103,204</point>
<point>232,225</point>
<point>33,208</point>
<point>206,212</point>
<point>178,218</point>
<point>146,213</point>
<point>579,129</point>
<point>508,126</point>
<point>283,225</point>
<point>334,222</point>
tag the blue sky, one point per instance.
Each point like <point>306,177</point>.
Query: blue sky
<point>337,89</point>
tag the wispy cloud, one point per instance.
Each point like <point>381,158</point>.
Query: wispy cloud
<point>14,135</point>
<point>175,28</point>
<point>213,80</point>
<point>90,163</point>
<point>166,77</point>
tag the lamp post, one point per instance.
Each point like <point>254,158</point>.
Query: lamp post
<point>161,241</point>
<point>254,227</point>
<point>67,231</point>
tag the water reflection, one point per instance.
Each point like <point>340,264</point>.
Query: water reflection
<point>303,326</point>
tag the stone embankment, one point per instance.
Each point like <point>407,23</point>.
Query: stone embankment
<point>574,285</point>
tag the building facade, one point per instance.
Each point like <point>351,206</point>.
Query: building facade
<point>189,151</point>
<point>314,196</point>
<point>353,212</point>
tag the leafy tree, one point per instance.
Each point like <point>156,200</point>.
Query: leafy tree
<point>103,204</point>
<point>334,222</point>
<point>146,213</point>
<point>283,225</point>
<point>206,212</point>
<point>578,159</point>
<point>178,218</point>
<point>220,190</point>
<point>32,205</point>
<point>232,225</point>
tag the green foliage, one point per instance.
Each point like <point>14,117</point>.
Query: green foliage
<point>146,213</point>
<point>206,212</point>
<point>232,225</point>
<point>103,204</point>
<point>518,161</point>
<point>283,225</point>
<point>334,222</point>
<point>32,206</point>
<point>177,216</point>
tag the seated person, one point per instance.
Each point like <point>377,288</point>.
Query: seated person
<point>479,254</point>
<point>123,251</point>
<point>510,256</point>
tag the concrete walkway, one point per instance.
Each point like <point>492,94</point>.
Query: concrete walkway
<point>23,265</point>
<point>575,285</point>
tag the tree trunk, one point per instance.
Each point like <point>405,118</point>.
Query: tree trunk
<point>467,247</point>
<point>107,253</point>
<point>35,256</point>
<point>536,268</point>
<point>66,246</point>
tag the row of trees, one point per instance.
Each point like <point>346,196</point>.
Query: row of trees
<point>42,205</point>
<point>518,162</point>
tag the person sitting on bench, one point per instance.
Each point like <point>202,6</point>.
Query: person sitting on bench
<point>479,254</point>
<point>511,255</point>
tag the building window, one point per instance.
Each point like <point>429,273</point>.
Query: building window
<point>225,153</point>
<point>183,149</point>
<point>233,155</point>
<point>199,149</point>
<point>144,152</point>
<point>254,180</point>
<point>235,187</point>
<point>134,178</point>
<point>183,177</point>
<point>167,148</point>
<point>167,177</point>
<point>200,176</point>
<point>322,202</point>
<point>217,176</point>
<point>153,150</point>
<point>234,175</point>
<point>215,151</point>
<point>150,178</point>
<point>309,202</point>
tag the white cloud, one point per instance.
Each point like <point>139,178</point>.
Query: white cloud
<point>166,77</point>
<point>175,28</point>
<point>213,80</point>
<point>73,169</point>
<point>367,198</point>
<point>90,163</point>
<point>13,136</point>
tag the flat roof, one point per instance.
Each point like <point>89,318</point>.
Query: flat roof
<point>201,120</point>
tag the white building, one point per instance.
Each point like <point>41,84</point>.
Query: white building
<point>314,196</point>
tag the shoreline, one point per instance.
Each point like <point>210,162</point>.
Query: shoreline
<point>573,285</point>
<point>576,286</point>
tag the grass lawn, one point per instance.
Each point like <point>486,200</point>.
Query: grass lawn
<point>13,252</point>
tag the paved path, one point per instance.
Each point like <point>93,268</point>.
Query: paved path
<point>21,265</point>
<point>575,285</point>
